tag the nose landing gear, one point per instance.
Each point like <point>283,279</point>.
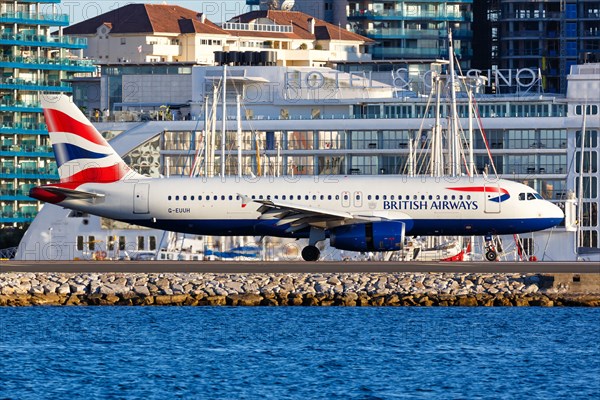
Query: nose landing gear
<point>493,246</point>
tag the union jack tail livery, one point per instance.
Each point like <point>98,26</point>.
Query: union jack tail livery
<point>82,154</point>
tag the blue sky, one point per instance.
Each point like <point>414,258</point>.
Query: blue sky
<point>215,10</point>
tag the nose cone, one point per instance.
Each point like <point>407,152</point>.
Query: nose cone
<point>554,214</point>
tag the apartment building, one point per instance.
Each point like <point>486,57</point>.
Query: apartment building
<point>33,61</point>
<point>146,33</point>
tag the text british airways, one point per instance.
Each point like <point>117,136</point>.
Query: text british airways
<point>430,205</point>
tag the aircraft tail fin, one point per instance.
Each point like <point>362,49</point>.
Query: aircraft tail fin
<point>82,154</point>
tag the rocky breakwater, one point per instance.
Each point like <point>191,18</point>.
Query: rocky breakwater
<point>368,289</point>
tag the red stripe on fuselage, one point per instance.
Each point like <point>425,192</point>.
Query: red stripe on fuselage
<point>60,122</point>
<point>486,189</point>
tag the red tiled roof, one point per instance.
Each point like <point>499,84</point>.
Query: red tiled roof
<point>147,18</point>
<point>300,22</point>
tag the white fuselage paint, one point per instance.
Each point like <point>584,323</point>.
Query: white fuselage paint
<point>425,203</point>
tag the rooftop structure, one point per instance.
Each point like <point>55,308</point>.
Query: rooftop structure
<point>140,33</point>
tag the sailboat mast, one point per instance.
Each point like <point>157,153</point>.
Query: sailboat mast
<point>454,134</point>
<point>224,125</point>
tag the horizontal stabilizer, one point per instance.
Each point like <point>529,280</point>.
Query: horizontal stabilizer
<point>57,193</point>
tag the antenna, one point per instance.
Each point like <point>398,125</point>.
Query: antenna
<point>287,5</point>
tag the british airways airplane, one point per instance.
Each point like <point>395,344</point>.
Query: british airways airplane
<point>356,213</point>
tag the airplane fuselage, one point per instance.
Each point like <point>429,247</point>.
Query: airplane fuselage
<point>426,205</point>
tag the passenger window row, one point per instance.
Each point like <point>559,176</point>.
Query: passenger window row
<point>328,197</point>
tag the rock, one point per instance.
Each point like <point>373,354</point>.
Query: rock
<point>141,290</point>
<point>521,302</point>
<point>64,289</point>
<point>466,301</point>
<point>46,299</point>
<point>72,300</point>
<point>533,288</point>
<point>216,300</point>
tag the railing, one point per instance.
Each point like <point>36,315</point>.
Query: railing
<point>23,125</point>
<point>408,33</point>
<point>43,39</point>
<point>29,171</point>
<point>23,82</point>
<point>47,61</point>
<point>405,14</point>
<point>400,52</point>
<point>238,26</point>
<point>26,149</point>
<point>526,14</point>
<point>9,103</point>
<point>47,18</point>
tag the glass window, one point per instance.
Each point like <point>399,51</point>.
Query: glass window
<point>364,140</point>
<point>121,243</point>
<point>152,243</point>
<point>140,243</point>
<point>300,140</point>
<point>590,187</point>
<point>591,138</point>
<point>590,161</point>
<point>80,243</point>
<point>332,140</point>
<point>91,243</point>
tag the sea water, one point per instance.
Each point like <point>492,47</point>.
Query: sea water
<point>296,352</point>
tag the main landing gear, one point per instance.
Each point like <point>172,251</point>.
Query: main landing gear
<point>311,252</point>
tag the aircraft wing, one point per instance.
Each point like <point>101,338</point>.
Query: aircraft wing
<point>301,216</point>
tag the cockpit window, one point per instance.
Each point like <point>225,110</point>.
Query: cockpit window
<point>521,196</point>
<point>530,196</point>
<point>538,196</point>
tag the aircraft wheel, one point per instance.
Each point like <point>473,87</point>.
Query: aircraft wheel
<point>491,255</point>
<point>311,253</point>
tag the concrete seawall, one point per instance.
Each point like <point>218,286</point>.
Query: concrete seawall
<point>346,289</point>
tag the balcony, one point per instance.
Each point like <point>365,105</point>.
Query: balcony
<point>405,15</point>
<point>401,33</point>
<point>167,50</point>
<point>9,105</point>
<point>26,151</point>
<point>403,52</point>
<point>29,173</point>
<point>20,39</point>
<point>45,86</point>
<point>24,127</point>
<point>34,19</point>
<point>43,63</point>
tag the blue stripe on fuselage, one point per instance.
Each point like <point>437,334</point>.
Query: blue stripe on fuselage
<point>243,227</point>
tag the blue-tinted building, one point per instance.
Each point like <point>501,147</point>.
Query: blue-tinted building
<point>33,60</point>
<point>552,35</point>
<point>414,29</point>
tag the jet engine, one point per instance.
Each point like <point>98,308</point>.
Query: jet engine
<point>372,236</point>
